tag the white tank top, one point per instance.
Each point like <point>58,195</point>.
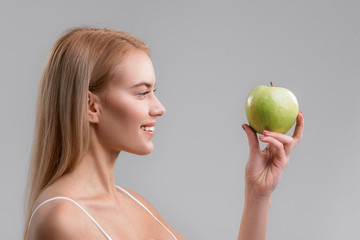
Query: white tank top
<point>92,219</point>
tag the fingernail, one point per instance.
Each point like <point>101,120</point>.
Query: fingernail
<point>243,127</point>
<point>262,137</point>
<point>266,131</point>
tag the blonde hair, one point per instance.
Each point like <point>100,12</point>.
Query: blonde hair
<point>80,61</point>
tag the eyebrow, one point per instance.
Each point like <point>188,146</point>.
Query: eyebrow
<point>143,83</point>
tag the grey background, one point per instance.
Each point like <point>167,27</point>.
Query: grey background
<point>207,56</point>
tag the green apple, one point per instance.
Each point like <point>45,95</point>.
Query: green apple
<point>271,108</point>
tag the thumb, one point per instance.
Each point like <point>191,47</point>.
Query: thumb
<point>252,139</point>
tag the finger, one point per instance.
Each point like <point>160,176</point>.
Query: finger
<point>279,148</point>
<point>297,136</point>
<point>284,139</point>
<point>252,139</point>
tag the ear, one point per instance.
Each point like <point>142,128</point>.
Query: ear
<point>93,108</point>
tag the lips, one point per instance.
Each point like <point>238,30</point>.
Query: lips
<point>148,128</point>
<point>152,124</point>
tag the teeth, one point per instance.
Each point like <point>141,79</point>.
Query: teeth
<point>151,129</point>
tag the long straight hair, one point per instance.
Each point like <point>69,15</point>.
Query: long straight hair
<point>80,61</point>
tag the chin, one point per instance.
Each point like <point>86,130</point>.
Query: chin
<point>142,150</point>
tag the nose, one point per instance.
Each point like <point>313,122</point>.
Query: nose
<point>157,109</point>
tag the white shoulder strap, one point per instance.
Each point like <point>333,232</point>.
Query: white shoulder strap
<point>146,210</point>
<point>65,198</point>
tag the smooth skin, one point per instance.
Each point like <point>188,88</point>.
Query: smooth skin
<point>262,174</point>
<point>115,117</point>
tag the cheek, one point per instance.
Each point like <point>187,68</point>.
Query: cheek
<point>119,116</point>
<point>120,123</point>
<point>128,113</point>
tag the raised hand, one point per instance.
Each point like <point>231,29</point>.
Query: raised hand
<point>264,167</point>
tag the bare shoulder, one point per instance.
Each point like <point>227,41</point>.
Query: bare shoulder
<point>147,204</point>
<point>143,200</point>
<point>57,219</point>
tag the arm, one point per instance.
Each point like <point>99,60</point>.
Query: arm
<point>262,174</point>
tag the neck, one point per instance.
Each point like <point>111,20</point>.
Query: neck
<point>95,173</point>
<point>98,169</point>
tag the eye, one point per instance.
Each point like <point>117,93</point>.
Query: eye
<point>145,93</point>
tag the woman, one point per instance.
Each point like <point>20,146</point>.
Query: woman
<point>96,99</point>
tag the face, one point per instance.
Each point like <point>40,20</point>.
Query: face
<point>128,111</point>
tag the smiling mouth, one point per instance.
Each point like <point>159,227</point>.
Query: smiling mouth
<point>148,129</point>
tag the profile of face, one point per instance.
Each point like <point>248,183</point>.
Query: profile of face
<point>126,112</point>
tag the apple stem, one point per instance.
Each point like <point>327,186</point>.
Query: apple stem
<point>271,84</point>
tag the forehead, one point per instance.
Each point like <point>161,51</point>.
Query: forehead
<point>134,69</point>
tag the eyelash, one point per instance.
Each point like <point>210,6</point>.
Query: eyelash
<point>145,93</point>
